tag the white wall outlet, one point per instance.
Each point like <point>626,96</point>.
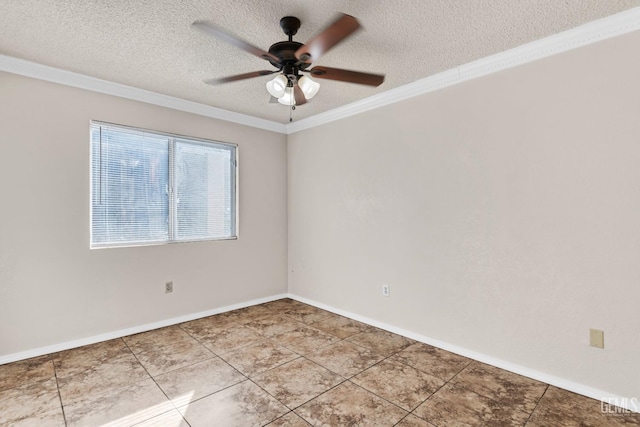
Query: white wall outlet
<point>168,287</point>
<point>385,290</point>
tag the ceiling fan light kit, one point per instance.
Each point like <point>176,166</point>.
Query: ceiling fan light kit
<point>287,98</point>
<point>291,59</point>
<point>308,86</point>
<point>277,86</point>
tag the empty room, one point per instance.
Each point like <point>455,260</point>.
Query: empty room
<point>295,213</point>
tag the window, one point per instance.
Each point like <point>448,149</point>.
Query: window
<point>148,187</point>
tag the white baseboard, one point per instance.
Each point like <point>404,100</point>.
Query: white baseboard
<point>14,357</point>
<point>630,404</point>
<point>613,399</point>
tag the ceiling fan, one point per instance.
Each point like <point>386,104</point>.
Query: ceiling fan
<point>293,58</point>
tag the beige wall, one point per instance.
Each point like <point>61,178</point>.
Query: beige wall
<point>504,212</point>
<point>53,288</point>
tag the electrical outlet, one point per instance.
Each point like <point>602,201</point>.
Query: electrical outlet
<point>168,287</point>
<point>596,338</point>
<point>385,290</point>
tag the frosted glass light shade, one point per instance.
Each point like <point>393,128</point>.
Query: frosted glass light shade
<point>276,87</point>
<point>287,98</point>
<point>308,86</point>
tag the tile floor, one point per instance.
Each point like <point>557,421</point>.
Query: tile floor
<point>283,363</point>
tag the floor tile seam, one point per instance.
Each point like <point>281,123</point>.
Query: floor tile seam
<point>384,358</point>
<point>251,377</point>
<point>401,419</point>
<point>191,402</point>
<point>166,344</point>
<point>255,318</point>
<point>360,345</point>
<point>306,325</point>
<point>231,350</point>
<point>281,344</point>
<point>232,367</point>
<point>159,415</point>
<point>245,377</point>
<point>394,361</point>
<point>58,354</point>
<point>373,392</point>
<point>491,398</point>
<point>151,377</point>
<point>342,379</point>
<point>536,406</point>
<point>422,403</point>
<point>369,367</point>
<point>178,367</point>
<point>279,401</point>
<point>98,375</point>
<point>331,370</point>
<point>276,419</point>
<point>377,395</point>
<point>95,362</point>
<point>431,423</point>
<point>420,369</point>
<point>64,415</point>
<point>192,335</point>
<point>504,371</point>
<point>393,352</point>
<point>436,391</point>
<point>219,354</point>
<point>162,349</point>
<point>313,398</point>
<point>330,333</point>
<point>175,408</point>
<point>522,411</point>
<point>107,390</point>
<point>110,390</point>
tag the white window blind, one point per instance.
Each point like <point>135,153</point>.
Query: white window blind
<point>148,187</point>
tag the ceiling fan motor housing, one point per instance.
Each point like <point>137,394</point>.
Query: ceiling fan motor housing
<point>285,52</point>
<point>290,25</point>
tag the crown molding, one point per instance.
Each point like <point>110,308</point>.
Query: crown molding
<point>592,32</point>
<point>68,78</point>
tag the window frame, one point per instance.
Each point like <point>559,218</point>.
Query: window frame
<point>172,197</point>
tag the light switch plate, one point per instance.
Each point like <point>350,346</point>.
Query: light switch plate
<point>596,338</point>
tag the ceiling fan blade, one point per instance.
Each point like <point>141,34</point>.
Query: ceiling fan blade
<point>207,28</point>
<point>347,76</point>
<point>340,29</point>
<point>299,95</point>
<point>239,77</point>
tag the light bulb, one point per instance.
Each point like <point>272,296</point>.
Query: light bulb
<point>277,85</point>
<point>308,86</point>
<point>287,98</point>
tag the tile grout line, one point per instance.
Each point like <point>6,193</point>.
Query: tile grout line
<point>494,399</point>
<point>156,383</point>
<point>55,374</point>
<point>438,389</point>
<point>303,357</point>
<point>200,398</point>
<point>536,406</point>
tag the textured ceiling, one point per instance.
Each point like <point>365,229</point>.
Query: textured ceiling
<point>151,45</point>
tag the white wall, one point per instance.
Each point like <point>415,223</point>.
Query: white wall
<point>504,212</point>
<point>53,288</point>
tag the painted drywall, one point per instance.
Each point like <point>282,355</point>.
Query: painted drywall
<point>53,288</point>
<point>502,212</point>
